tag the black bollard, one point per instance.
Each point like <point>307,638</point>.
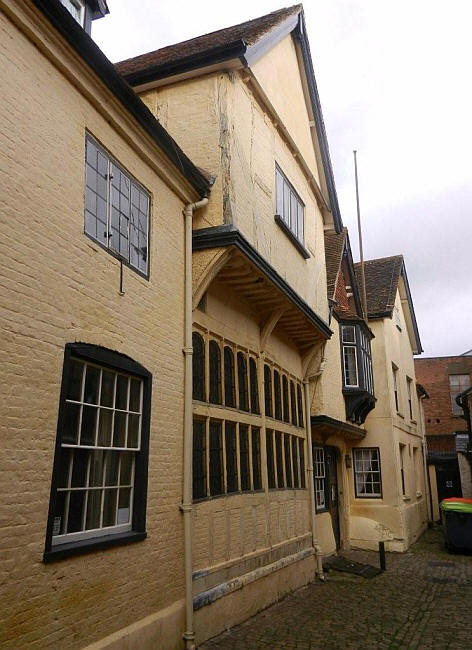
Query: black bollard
<point>383,565</point>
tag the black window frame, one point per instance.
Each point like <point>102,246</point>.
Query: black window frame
<point>229,377</point>
<point>243,389</point>
<point>112,161</point>
<point>214,363</point>
<point>198,367</point>
<point>118,362</point>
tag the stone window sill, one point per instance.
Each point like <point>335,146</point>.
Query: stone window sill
<point>61,551</point>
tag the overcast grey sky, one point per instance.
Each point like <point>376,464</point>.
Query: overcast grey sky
<point>394,81</point>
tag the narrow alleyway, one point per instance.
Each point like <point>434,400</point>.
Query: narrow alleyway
<point>423,601</point>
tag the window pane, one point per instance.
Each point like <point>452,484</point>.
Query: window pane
<point>94,509</point>
<point>124,509</point>
<point>230,398</point>
<point>79,468</point>
<point>256,459</point>
<point>349,334</point>
<point>216,459</point>
<point>350,365</point>
<point>279,193</point>
<point>270,458</point>
<point>199,460</point>
<point>301,449</point>
<point>288,461</point>
<point>300,227</point>
<point>71,424</point>
<point>279,460</point>
<point>242,382</point>
<point>135,395</point>
<point>119,429</point>
<point>293,403</point>
<point>97,460</point>
<point>108,388</point>
<point>244,456</point>
<point>254,386</point>
<point>277,396</point>
<point>105,428</point>
<point>89,423</point>
<point>121,392</point>
<point>300,407</point>
<point>76,511</point>
<point>134,422</point>
<point>126,468</point>
<point>296,476</point>
<point>268,390</point>
<point>231,463</point>
<point>215,373</point>
<point>109,508</point>
<point>198,361</point>
<point>74,391</point>
<point>286,413</point>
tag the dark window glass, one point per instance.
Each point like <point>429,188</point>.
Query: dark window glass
<point>288,461</point>
<point>199,460</point>
<point>116,208</point>
<point>256,459</point>
<point>279,459</point>
<point>242,382</point>
<point>230,399</point>
<point>268,390</point>
<point>216,458</point>
<point>296,475</point>
<point>254,389</point>
<point>286,409</point>
<point>215,372</point>
<point>293,403</point>
<point>301,449</point>
<point>231,462</point>
<point>277,396</point>
<point>198,367</point>
<point>300,406</point>
<point>270,458</point>
<point>244,456</point>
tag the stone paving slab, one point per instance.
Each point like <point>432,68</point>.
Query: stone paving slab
<point>423,601</point>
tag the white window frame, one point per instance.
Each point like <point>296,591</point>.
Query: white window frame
<point>79,6</point>
<point>284,205</point>
<point>362,458</point>
<point>319,466</point>
<point>455,389</point>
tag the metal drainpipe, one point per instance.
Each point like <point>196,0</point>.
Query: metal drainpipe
<point>311,483</point>
<point>186,507</point>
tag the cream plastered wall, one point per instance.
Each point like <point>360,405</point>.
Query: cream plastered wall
<point>58,286</point>
<point>255,147</point>
<point>327,392</point>
<point>396,517</point>
<point>194,113</point>
<point>221,125</point>
<point>279,75</point>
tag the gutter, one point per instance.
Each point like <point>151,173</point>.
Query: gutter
<point>187,505</point>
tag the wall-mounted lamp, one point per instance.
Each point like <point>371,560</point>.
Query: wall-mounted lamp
<point>347,460</point>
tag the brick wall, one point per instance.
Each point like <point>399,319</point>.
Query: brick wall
<point>433,374</point>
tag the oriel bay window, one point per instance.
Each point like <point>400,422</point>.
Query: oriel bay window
<point>98,493</point>
<point>358,384</point>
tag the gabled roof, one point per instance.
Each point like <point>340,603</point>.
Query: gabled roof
<point>381,284</point>
<point>382,280</point>
<point>80,41</point>
<point>337,248</point>
<point>247,34</point>
<point>239,46</point>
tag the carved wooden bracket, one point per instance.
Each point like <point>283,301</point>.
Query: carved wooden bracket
<point>269,325</point>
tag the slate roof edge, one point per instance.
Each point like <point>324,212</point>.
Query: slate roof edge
<point>87,49</point>
<point>228,235</point>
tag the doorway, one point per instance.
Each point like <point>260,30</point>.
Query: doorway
<point>332,489</point>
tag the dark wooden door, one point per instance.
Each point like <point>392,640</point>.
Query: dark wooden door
<point>448,480</point>
<point>332,488</point>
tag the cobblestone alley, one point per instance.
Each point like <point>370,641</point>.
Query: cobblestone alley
<point>424,600</point>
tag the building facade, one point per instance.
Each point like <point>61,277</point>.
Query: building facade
<point>446,431</point>
<point>248,111</point>
<point>92,195</point>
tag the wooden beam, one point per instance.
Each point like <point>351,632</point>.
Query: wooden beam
<point>268,327</point>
